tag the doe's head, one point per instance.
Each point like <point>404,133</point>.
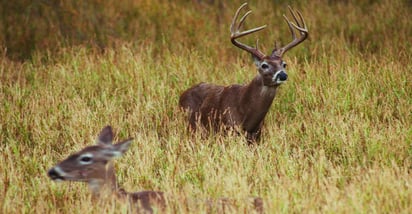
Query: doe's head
<point>89,164</point>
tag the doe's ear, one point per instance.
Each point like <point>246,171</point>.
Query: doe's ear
<point>105,136</point>
<point>118,149</point>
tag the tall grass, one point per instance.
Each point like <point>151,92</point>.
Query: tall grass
<point>336,140</point>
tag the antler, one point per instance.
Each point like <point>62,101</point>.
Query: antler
<point>236,33</point>
<point>300,26</point>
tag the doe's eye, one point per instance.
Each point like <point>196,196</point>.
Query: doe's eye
<point>264,66</point>
<point>86,159</point>
<point>284,65</point>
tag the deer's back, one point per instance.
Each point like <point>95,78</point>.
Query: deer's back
<point>193,98</point>
<point>213,103</point>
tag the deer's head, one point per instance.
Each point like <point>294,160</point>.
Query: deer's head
<point>91,164</point>
<point>271,67</point>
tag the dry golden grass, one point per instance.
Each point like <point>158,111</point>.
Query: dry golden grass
<point>336,140</point>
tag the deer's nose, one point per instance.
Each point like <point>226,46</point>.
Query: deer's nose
<point>54,175</point>
<point>282,76</point>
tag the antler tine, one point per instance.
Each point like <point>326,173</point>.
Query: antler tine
<point>293,15</point>
<point>243,19</point>
<point>232,25</point>
<point>303,20</point>
<point>290,26</point>
<point>300,25</point>
<point>236,33</point>
<point>244,33</point>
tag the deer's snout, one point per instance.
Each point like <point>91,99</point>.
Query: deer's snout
<point>54,174</point>
<point>280,77</point>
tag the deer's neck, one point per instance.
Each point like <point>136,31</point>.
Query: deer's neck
<point>106,181</point>
<point>258,96</point>
<point>256,101</point>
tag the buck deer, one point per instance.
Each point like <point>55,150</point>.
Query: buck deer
<point>243,106</point>
<point>93,165</point>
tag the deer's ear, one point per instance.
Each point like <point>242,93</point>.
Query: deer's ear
<point>118,149</point>
<point>105,136</point>
<point>256,60</point>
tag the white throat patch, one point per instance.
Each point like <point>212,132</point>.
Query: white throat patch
<point>267,90</point>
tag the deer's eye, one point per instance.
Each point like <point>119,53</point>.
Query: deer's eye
<point>86,159</point>
<point>264,66</point>
<point>284,64</point>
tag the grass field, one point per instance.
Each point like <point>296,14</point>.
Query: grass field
<point>337,139</point>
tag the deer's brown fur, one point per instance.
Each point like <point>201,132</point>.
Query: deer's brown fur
<point>242,107</point>
<point>93,165</point>
<point>234,105</point>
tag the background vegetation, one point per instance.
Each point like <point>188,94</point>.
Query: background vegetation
<point>336,140</point>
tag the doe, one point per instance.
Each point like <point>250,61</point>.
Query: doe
<point>93,165</point>
<point>243,106</point>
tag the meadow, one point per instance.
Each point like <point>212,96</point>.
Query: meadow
<point>337,139</point>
